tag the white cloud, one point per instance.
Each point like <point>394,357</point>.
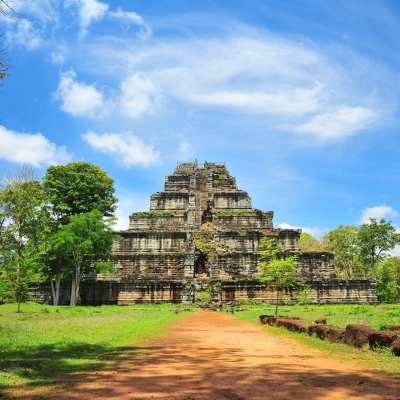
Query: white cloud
<point>126,148</point>
<point>33,149</point>
<point>129,202</point>
<point>43,10</point>
<point>134,18</point>
<point>184,147</point>
<point>138,96</point>
<point>79,99</point>
<point>290,101</point>
<point>57,58</point>
<point>344,121</point>
<point>377,212</point>
<point>25,34</point>
<point>251,74</point>
<point>316,232</point>
<point>89,11</point>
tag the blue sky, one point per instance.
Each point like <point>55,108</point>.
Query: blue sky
<point>299,98</point>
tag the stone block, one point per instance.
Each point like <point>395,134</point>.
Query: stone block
<point>320,320</point>
<point>382,338</point>
<point>357,335</point>
<point>336,334</point>
<point>292,325</point>
<point>396,347</point>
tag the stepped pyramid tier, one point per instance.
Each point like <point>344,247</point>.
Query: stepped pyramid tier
<point>201,234</point>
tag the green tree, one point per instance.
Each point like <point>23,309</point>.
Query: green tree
<point>277,273</point>
<point>85,240</point>
<point>78,188</point>
<point>375,240</point>
<point>388,280</point>
<point>72,189</point>
<point>21,198</point>
<point>310,243</point>
<point>343,241</point>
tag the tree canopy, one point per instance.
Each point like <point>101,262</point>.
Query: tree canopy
<point>78,188</point>
<point>375,240</point>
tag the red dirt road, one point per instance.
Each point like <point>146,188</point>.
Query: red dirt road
<point>211,356</point>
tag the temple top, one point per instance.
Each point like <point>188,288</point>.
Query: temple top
<point>192,167</point>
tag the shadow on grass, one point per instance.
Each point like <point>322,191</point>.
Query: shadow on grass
<point>41,365</point>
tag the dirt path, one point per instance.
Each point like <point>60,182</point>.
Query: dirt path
<point>210,356</point>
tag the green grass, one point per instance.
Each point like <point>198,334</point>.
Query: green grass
<point>338,315</point>
<point>44,342</point>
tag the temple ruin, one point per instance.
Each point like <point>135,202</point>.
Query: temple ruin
<point>202,234</point>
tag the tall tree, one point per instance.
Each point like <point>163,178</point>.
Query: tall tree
<point>277,273</point>
<point>21,197</point>
<point>77,188</point>
<point>86,239</point>
<point>72,189</point>
<point>376,240</point>
<point>343,241</point>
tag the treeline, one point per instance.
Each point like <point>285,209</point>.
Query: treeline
<point>56,229</point>
<point>363,252</point>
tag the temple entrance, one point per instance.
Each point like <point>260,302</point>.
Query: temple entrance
<point>200,265</point>
<point>207,216</point>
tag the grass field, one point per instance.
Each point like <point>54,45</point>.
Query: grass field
<point>338,315</point>
<point>44,342</point>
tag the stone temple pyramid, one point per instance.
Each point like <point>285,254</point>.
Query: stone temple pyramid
<point>202,233</point>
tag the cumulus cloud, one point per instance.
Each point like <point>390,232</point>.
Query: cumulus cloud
<point>126,148</point>
<point>132,17</point>
<point>377,212</point>
<point>316,232</point>
<point>138,96</point>
<point>345,121</point>
<point>35,149</point>
<point>89,11</point>
<point>129,202</point>
<point>79,99</point>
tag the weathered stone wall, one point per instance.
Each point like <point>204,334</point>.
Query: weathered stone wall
<point>241,241</point>
<point>316,265</point>
<point>150,242</point>
<point>99,293</point>
<point>150,267</point>
<point>337,291</point>
<point>332,291</point>
<point>238,265</point>
<point>177,183</point>
<point>254,220</point>
<point>288,239</point>
<point>169,201</point>
<point>138,222</point>
<point>232,200</point>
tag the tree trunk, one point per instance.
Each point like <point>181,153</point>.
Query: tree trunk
<point>277,302</point>
<point>55,288</point>
<point>73,293</point>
